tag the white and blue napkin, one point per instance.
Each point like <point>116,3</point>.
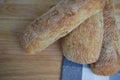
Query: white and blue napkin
<point>74,71</point>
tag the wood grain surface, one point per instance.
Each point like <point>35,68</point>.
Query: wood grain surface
<point>15,64</point>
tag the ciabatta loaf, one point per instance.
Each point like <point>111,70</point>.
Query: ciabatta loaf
<point>83,45</point>
<point>107,63</point>
<point>58,22</point>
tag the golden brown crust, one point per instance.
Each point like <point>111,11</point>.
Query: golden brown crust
<point>57,22</point>
<point>83,44</point>
<point>107,63</point>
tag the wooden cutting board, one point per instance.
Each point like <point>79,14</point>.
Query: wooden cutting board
<point>15,64</point>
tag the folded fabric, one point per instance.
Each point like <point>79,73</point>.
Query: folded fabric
<point>74,71</point>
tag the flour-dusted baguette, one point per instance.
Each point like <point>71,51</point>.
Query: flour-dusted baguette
<point>58,22</point>
<point>83,45</point>
<point>107,63</point>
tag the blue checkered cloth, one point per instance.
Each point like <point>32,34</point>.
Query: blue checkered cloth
<point>73,71</point>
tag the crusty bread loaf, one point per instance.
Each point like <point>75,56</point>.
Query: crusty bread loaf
<point>58,22</point>
<point>83,45</point>
<point>107,63</point>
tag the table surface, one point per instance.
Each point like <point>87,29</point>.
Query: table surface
<point>15,64</point>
